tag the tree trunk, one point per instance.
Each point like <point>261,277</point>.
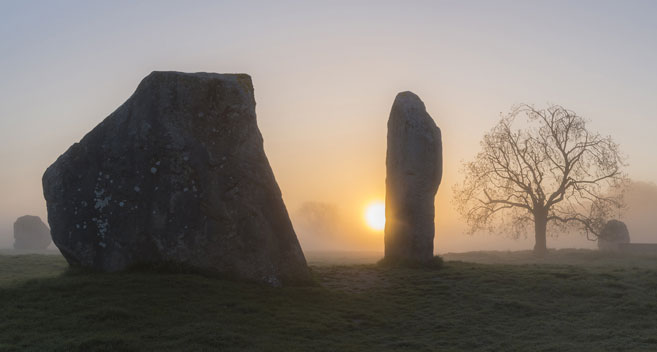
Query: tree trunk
<point>540,231</point>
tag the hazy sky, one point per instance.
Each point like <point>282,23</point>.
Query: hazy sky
<point>325,76</point>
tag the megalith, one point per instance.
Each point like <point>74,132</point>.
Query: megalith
<point>613,234</point>
<point>30,233</point>
<point>177,174</point>
<point>413,174</point>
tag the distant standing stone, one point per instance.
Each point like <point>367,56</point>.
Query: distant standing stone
<point>30,233</point>
<point>614,233</point>
<point>413,174</point>
<point>177,174</point>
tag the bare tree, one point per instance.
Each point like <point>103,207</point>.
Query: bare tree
<point>548,170</point>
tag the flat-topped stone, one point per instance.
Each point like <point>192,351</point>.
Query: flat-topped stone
<point>177,174</point>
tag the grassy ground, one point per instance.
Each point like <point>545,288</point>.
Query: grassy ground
<point>578,257</point>
<point>602,303</point>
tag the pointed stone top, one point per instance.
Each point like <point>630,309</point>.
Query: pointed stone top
<point>409,98</point>
<point>409,106</point>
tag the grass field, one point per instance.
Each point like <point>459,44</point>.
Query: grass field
<point>568,301</point>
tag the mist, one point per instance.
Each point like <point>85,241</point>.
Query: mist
<point>327,226</point>
<point>324,93</point>
<point>232,161</point>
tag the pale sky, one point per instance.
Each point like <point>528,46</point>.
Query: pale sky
<point>325,76</point>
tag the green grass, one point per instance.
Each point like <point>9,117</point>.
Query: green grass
<point>600,304</point>
<point>578,257</point>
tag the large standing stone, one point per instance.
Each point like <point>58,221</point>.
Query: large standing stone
<point>613,234</point>
<point>177,174</point>
<point>413,174</point>
<point>30,233</point>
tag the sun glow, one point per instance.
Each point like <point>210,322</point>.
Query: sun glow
<point>375,216</point>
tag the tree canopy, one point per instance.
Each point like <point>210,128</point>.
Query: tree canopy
<point>542,167</point>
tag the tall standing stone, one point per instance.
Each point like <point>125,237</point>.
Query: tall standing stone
<point>177,174</point>
<point>413,174</point>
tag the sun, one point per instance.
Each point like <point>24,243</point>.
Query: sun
<point>375,216</point>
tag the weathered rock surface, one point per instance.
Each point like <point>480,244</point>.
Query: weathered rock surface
<point>413,174</point>
<point>612,235</point>
<point>30,233</point>
<point>177,174</point>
